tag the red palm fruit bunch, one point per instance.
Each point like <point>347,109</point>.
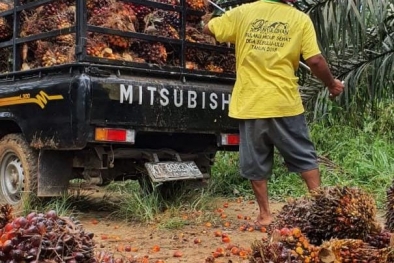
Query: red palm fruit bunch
<point>41,21</point>
<point>161,23</point>
<point>196,4</point>
<point>343,212</point>
<point>116,16</point>
<point>53,8</point>
<point>152,52</point>
<point>294,213</point>
<point>97,47</point>
<point>286,245</point>
<point>228,62</point>
<point>6,215</point>
<point>94,6</point>
<point>194,34</point>
<point>214,68</point>
<point>57,55</point>
<point>352,250</point>
<point>5,28</point>
<point>332,212</point>
<point>140,12</point>
<point>44,237</point>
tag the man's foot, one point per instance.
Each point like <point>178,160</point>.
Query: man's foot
<point>261,224</point>
<point>266,221</point>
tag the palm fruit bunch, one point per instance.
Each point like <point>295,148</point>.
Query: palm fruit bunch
<point>152,52</point>
<point>5,56</point>
<point>198,55</point>
<point>198,5</point>
<point>61,55</point>
<point>48,53</point>
<point>196,58</point>
<point>194,34</point>
<point>160,23</point>
<point>389,216</point>
<point>352,250</point>
<point>228,62</point>
<point>59,15</point>
<point>97,47</point>
<point>141,12</point>
<point>65,19</point>
<point>332,212</point>
<point>343,212</point>
<point>295,214</point>
<point>211,66</point>
<point>94,6</point>
<point>209,60</point>
<point>220,62</point>
<point>6,215</point>
<point>286,245</point>
<point>53,8</point>
<point>379,240</point>
<point>5,28</point>
<point>45,237</point>
<point>116,16</point>
<point>172,18</point>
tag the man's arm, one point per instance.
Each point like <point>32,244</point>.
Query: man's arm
<point>207,31</point>
<point>320,69</point>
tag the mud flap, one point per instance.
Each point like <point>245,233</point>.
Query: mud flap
<point>54,172</point>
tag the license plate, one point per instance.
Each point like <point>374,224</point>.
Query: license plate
<point>170,171</point>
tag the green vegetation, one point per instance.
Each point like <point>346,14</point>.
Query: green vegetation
<point>350,157</point>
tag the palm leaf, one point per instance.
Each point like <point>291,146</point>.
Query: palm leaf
<point>356,37</point>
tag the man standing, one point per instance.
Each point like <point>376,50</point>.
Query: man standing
<point>270,36</point>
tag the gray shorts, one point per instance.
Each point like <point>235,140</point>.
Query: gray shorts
<point>290,135</point>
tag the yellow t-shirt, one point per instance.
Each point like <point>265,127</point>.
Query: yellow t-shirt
<point>269,38</point>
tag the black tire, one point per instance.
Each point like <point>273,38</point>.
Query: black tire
<point>18,171</point>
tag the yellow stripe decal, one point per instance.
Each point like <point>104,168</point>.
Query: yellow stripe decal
<point>41,99</point>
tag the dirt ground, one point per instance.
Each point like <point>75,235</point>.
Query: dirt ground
<point>203,234</point>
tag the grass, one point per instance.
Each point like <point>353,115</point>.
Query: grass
<point>63,205</point>
<point>137,205</point>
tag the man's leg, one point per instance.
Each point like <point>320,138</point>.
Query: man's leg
<point>256,153</point>
<point>312,179</point>
<point>291,138</point>
<point>260,189</point>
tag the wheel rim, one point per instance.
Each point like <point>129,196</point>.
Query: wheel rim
<point>11,178</point>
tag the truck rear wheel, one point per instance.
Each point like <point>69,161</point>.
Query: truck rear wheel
<point>18,171</point>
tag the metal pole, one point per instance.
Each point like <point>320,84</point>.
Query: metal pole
<point>215,5</point>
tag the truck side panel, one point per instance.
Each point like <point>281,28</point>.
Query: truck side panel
<point>48,111</point>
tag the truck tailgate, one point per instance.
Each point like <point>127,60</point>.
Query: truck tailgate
<point>161,105</point>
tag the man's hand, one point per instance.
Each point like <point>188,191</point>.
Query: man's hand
<point>336,88</point>
<point>207,31</point>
